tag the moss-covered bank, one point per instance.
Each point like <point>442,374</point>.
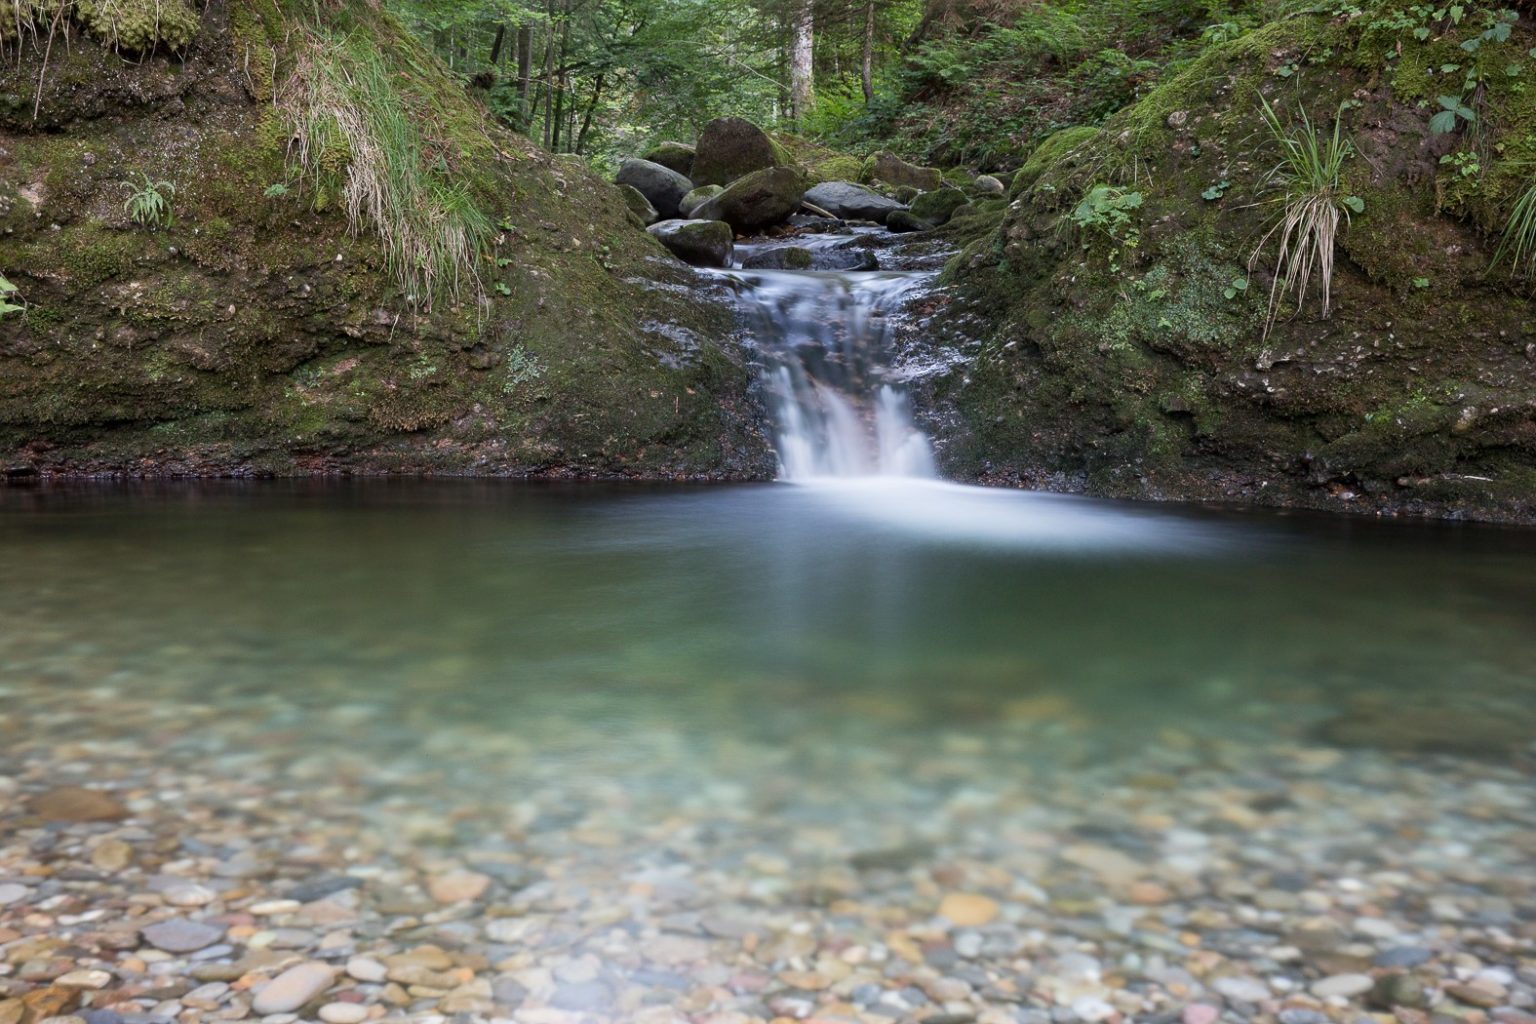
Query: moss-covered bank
<point>1131,358</point>
<point>256,333</point>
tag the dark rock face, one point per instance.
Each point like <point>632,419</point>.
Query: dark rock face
<point>893,170</point>
<point>675,156</point>
<point>851,202</point>
<point>906,222</point>
<point>703,243</point>
<point>760,200</point>
<point>794,257</point>
<point>732,147</point>
<point>662,187</point>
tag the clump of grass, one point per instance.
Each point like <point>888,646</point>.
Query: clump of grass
<point>1316,204</point>
<point>1518,246</point>
<point>357,139</point>
<point>149,202</point>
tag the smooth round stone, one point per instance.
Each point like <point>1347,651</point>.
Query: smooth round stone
<point>343,1013</point>
<point>189,895</point>
<point>362,968</point>
<point>1242,989</point>
<point>178,935</point>
<point>85,979</point>
<point>271,908</point>
<point>458,886</point>
<point>968,910</point>
<point>293,988</point>
<point>1199,1013</point>
<point>1342,985</point>
<point>1403,956</point>
<point>11,892</point>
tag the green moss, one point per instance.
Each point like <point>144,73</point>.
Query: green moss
<point>1049,152</point>
<point>135,25</point>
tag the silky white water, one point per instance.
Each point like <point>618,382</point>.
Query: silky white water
<point>828,342</point>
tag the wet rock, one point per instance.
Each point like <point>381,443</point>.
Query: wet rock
<point>320,888</point>
<point>294,988</point>
<point>179,935</point>
<point>1479,992</point>
<point>12,892</point>
<point>1241,989</point>
<point>906,222</point>
<point>703,243</point>
<point>732,147</point>
<point>661,187</point>
<point>1396,989</point>
<point>77,804</point>
<point>968,910</point>
<point>458,887</point>
<point>759,200</point>
<point>582,997</point>
<point>851,202</point>
<point>792,257</point>
<point>1403,956</point>
<point>343,1013</point>
<point>1343,986</point>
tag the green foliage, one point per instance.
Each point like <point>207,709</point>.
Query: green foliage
<point>1517,247</point>
<point>1108,210</point>
<point>10,301</point>
<point>149,202</point>
<point>361,136</point>
<point>1310,176</point>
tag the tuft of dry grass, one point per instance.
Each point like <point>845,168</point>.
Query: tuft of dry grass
<point>1315,206</point>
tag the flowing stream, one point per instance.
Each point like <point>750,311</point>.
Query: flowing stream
<point>827,338</point>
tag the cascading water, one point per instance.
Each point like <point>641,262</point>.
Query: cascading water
<point>827,339</point>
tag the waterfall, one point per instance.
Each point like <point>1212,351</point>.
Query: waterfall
<point>826,338</point>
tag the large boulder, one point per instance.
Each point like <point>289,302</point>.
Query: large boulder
<point>732,147</point>
<point>663,187</point>
<point>938,206</point>
<point>698,197</point>
<point>675,156</point>
<point>703,243</point>
<point>851,202</point>
<point>639,205</point>
<point>760,200</point>
<point>893,170</point>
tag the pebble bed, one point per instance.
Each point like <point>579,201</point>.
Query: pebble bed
<point>170,858</point>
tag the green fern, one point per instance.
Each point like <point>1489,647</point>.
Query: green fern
<point>149,203</point>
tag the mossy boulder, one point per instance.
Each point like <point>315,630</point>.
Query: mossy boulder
<point>794,257</point>
<point>703,243</point>
<point>698,197</point>
<point>732,147</point>
<point>904,222</point>
<point>639,205</point>
<point>760,200</point>
<point>936,207</point>
<point>261,333</point>
<point>1135,354</point>
<point>675,156</point>
<point>893,170</point>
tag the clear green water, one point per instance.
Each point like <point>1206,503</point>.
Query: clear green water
<point>762,611</point>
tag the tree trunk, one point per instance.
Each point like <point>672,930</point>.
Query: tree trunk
<point>802,61</point>
<point>549,75</point>
<point>524,71</point>
<point>586,121</point>
<point>501,37</point>
<point>867,66</point>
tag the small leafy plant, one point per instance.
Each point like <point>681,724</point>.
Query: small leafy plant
<point>149,203</point>
<point>1315,203</point>
<point>10,301</point>
<point>1106,209</point>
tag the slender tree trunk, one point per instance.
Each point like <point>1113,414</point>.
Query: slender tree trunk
<point>524,72</point>
<point>802,61</point>
<point>501,37</point>
<point>586,121</point>
<point>549,75</point>
<point>867,65</point>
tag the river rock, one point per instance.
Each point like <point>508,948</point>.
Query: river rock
<point>852,202</point>
<point>1342,985</point>
<point>794,257</point>
<point>675,156</point>
<point>732,147</point>
<point>293,988</point>
<point>968,910</point>
<point>343,1013</point>
<point>703,243</point>
<point>759,200</point>
<point>639,205</point>
<point>458,886</point>
<point>178,935</point>
<point>698,197</point>
<point>938,206</point>
<point>12,892</point>
<point>989,185</point>
<point>77,804</point>
<point>893,170</point>
<point>662,187</point>
<point>906,222</point>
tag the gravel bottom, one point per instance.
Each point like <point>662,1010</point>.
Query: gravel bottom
<point>170,860</point>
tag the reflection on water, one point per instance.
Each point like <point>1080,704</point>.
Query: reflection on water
<point>762,602</point>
